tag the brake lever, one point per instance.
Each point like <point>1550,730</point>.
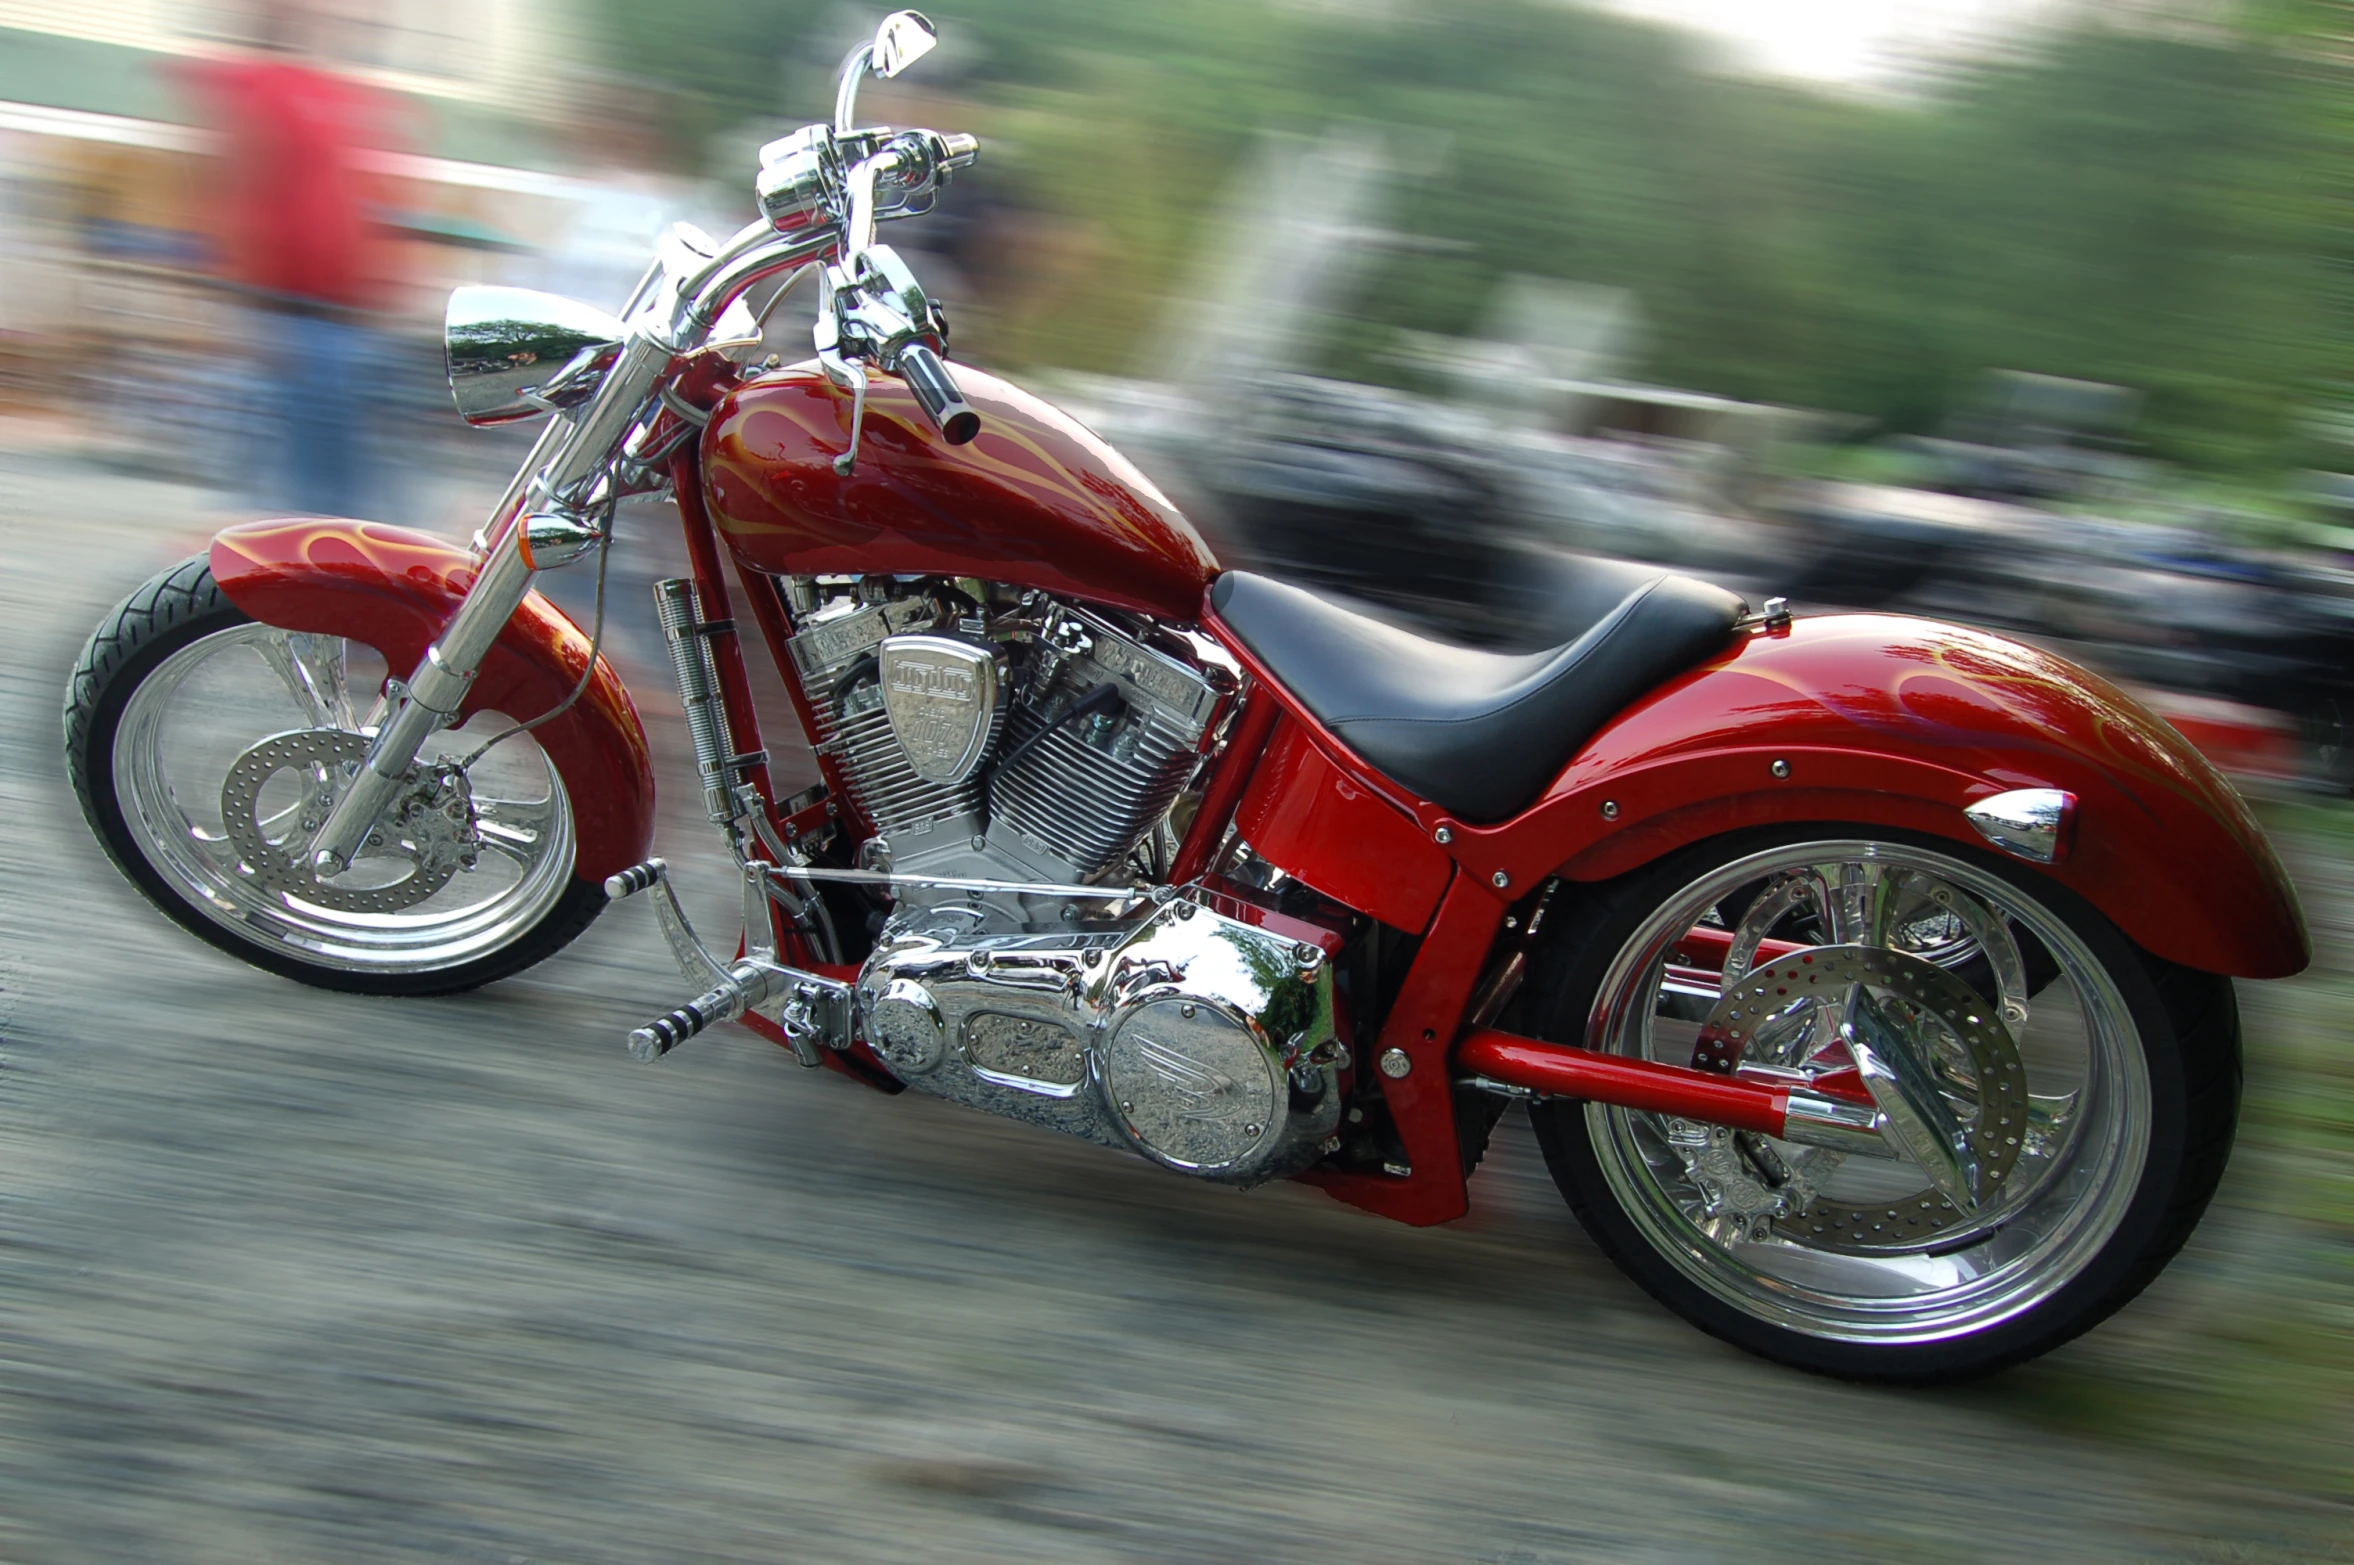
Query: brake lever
<point>844,372</point>
<point>853,376</point>
<point>870,304</point>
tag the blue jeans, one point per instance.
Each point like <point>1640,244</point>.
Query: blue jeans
<point>318,374</point>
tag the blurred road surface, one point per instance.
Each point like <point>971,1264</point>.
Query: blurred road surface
<point>287,1275</point>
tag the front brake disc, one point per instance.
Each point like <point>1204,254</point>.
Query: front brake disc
<point>411,836</point>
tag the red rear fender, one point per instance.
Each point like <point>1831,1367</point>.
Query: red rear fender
<point>1902,722</point>
<point>394,589</point>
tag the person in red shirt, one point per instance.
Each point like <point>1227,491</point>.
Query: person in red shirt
<point>297,232</point>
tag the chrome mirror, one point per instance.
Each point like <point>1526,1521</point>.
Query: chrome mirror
<point>516,352</point>
<point>904,38</point>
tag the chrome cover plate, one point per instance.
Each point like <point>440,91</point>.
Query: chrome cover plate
<point>942,696</point>
<point>1191,1084</point>
<point>1203,1041</point>
<point>838,657</point>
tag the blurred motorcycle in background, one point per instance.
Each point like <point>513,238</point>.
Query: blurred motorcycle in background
<point>1868,980</point>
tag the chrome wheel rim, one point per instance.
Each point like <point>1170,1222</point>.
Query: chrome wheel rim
<point>215,700</point>
<point>1707,1200</point>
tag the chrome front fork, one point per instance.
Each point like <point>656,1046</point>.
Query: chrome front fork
<point>428,702</point>
<point>577,454</point>
<point>574,457</point>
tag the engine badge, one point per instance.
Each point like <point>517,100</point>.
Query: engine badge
<point>941,694</point>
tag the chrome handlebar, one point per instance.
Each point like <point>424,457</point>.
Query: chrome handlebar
<point>822,192</point>
<point>815,207</point>
<point>871,308</point>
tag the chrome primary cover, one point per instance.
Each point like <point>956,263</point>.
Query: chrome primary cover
<point>1203,1041</point>
<point>942,696</point>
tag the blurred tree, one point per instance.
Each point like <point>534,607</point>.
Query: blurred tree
<point>2142,194</point>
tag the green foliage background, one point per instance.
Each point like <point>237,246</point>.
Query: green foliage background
<point>2148,196</point>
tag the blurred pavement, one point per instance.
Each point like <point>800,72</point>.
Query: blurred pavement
<point>287,1275</point>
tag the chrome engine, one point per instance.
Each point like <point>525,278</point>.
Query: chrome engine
<point>1039,745</point>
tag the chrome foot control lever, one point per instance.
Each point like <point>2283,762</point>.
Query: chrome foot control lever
<point>814,1012</point>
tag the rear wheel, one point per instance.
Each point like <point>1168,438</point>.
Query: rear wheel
<point>2057,1105</point>
<point>205,748</point>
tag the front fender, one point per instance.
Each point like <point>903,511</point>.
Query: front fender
<point>1885,720</point>
<point>394,589</point>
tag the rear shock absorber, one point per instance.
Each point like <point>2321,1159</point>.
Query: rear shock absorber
<point>683,626</point>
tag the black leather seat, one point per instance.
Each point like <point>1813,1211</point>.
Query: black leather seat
<point>1480,733</point>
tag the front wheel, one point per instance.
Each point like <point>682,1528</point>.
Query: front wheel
<point>2067,1101</point>
<point>205,748</point>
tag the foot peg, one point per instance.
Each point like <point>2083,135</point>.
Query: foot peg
<point>665,1033</point>
<point>813,1012</point>
<point>635,879</point>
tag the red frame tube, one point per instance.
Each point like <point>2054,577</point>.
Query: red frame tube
<point>1421,1025</point>
<point>702,541</point>
<point>1251,727</point>
<point>776,628</point>
<point>1560,1070</point>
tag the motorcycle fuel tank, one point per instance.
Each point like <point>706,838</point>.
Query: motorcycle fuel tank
<point>1035,500</point>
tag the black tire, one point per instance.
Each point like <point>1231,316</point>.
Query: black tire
<point>2189,1036</point>
<point>167,614</point>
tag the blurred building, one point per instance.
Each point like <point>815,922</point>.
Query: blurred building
<point>104,259</point>
<point>483,74</point>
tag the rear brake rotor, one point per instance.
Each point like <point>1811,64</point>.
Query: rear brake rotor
<point>1957,1037</point>
<point>421,831</point>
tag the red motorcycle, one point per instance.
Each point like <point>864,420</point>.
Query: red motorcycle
<point>1868,980</point>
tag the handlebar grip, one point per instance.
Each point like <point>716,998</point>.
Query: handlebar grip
<point>929,379</point>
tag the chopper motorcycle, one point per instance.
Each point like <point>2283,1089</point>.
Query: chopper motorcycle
<point>1868,980</point>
